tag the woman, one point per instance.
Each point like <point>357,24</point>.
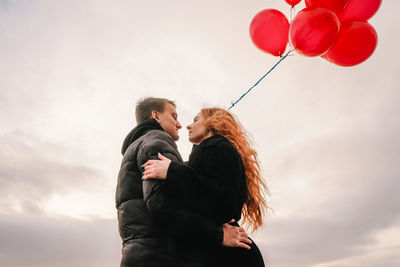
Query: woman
<point>221,180</point>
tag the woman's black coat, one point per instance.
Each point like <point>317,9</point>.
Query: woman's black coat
<point>213,184</point>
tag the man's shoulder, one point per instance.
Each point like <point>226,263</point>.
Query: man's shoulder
<point>158,140</point>
<point>157,136</point>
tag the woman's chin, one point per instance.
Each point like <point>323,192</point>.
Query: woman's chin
<point>194,142</point>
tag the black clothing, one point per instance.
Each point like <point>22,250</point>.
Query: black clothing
<point>146,213</point>
<point>213,184</point>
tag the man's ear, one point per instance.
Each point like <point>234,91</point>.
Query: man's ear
<point>154,115</point>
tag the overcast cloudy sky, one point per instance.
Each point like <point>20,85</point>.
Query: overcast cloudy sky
<point>71,72</point>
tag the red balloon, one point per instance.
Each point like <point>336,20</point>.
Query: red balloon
<point>356,42</point>
<point>360,10</point>
<point>269,31</point>
<point>293,2</point>
<point>334,5</point>
<point>313,31</point>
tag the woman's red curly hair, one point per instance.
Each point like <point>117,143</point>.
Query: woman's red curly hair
<point>220,121</point>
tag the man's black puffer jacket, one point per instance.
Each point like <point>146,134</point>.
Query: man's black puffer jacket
<point>155,228</point>
<point>144,243</point>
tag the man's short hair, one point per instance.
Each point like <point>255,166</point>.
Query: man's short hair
<point>145,107</point>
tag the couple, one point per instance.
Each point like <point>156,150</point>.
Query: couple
<point>172,213</point>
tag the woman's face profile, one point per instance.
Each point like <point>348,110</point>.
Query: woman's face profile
<point>198,130</point>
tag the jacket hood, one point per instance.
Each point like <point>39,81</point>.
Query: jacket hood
<point>138,131</point>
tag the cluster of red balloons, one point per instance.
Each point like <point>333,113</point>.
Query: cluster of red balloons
<point>336,30</point>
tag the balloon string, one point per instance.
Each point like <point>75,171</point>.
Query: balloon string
<point>292,12</point>
<point>280,60</point>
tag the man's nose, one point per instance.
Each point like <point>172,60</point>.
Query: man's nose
<point>178,125</point>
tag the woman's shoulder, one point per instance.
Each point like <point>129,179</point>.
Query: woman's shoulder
<point>214,140</point>
<point>217,144</point>
<point>222,154</point>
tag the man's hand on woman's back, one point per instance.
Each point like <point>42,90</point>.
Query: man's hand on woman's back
<point>235,236</point>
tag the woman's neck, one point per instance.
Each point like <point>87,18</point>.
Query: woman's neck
<point>206,136</point>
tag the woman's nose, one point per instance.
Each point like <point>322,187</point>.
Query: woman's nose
<point>189,127</point>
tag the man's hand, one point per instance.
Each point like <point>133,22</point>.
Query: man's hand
<point>156,169</point>
<point>235,236</point>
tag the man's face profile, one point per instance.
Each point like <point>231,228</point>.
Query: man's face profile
<point>168,120</point>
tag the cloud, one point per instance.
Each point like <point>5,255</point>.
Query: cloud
<point>32,170</point>
<point>388,257</point>
<point>6,4</point>
<point>351,182</point>
<point>35,241</point>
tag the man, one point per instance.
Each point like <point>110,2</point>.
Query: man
<point>150,221</point>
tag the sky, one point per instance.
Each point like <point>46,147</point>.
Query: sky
<point>72,71</point>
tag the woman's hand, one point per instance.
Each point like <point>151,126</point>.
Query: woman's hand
<point>235,236</point>
<point>156,169</point>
